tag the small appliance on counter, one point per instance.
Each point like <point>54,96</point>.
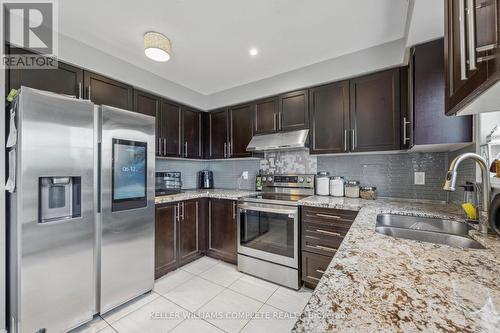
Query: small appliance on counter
<point>167,183</point>
<point>323,183</point>
<point>205,179</point>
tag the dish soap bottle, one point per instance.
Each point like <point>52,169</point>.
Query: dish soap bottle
<point>258,181</point>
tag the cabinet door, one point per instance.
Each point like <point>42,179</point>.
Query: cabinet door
<point>169,129</point>
<point>146,103</point>
<point>375,112</point>
<point>192,133</point>
<point>293,111</point>
<point>189,231</point>
<point>222,230</point>
<point>165,239</point>
<point>266,113</point>
<point>462,83</point>
<point>66,79</point>
<point>241,130</point>
<point>105,91</point>
<point>330,118</point>
<point>218,139</point>
<point>431,125</point>
<point>313,267</point>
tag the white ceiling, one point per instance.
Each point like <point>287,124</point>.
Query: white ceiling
<point>211,38</point>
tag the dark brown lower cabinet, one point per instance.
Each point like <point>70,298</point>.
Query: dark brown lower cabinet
<point>222,228</point>
<point>323,231</point>
<point>179,234</point>
<point>165,239</point>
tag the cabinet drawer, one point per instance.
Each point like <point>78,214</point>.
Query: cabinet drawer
<point>325,229</point>
<point>328,216</point>
<point>313,267</point>
<point>319,245</point>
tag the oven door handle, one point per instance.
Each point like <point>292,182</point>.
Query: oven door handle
<point>268,210</point>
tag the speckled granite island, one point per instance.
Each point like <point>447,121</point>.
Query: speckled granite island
<point>195,194</point>
<point>377,283</point>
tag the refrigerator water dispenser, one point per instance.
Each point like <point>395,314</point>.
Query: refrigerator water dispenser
<point>60,198</point>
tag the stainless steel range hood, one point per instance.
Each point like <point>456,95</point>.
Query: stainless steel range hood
<point>294,140</point>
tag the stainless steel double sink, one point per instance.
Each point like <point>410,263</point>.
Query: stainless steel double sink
<point>431,230</point>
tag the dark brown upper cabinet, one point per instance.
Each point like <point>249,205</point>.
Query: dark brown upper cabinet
<point>293,111</point>
<point>266,116</point>
<point>240,130</point>
<point>146,103</point>
<point>375,112</point>
<point>66,79</point>
<point>222,243</point>
<point>217,137</point>
<point>471,50</point>
<point>168,132</point>
<point>105,91</point>
<point>191,128</point>
<point>330,118</point>
<point>429,123</point>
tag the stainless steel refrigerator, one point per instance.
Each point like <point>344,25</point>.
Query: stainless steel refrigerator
<point>81,211</point>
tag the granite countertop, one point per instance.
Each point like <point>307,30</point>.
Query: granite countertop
<point>378,283</point>
<point>195,194</point>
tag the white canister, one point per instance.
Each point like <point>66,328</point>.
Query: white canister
<point>337,186</point>
<point>323,183</point>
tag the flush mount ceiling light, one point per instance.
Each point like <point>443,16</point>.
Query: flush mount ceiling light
<point>253,52</point>
<point>157,46</point>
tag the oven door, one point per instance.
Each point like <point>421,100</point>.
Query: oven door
<point>269,232</point>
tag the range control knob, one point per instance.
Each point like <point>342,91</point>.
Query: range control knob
<point>269,179</point>
<point>309,179</point>
<point>301,179</point>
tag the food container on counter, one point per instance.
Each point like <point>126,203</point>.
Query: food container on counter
<point>337,186</point>
<point>352,189</point>
<point>368,192</point>
<point>323,183</point>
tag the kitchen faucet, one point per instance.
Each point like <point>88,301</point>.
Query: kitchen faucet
<point>451,180</point>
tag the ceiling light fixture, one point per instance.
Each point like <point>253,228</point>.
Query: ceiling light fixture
<point>253,52</point>
<point>157,46</point>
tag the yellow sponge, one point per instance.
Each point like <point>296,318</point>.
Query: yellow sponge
<point>470,210</point>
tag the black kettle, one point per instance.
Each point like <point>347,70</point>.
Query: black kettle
<point>205,179</point>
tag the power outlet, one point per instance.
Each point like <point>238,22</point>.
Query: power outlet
<point>419,178</point>
<point>244,175</point>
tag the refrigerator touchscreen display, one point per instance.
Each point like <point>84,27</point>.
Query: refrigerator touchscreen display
<point>129,174</point>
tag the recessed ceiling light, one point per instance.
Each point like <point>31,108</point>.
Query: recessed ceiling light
<point>253,51</point>
<point>157,46</point>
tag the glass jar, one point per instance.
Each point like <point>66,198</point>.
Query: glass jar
<point>368,192</point>
<point>337,186</point>
<point>352,189</point>
<point>323,183</point>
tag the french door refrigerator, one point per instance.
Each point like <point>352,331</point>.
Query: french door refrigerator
<point>81,210</point>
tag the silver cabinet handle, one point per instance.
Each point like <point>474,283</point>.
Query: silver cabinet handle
<point>80,96</point>
<point>229,152</point>
<point>461,18</point>
<point>345,140</point>
<point>165,146</point>
<point>159,147</point>
<point>176,212</point>
<point>336,217</point>
<point>234,210</point>
<point>225,149</point>
<point>182,210</point>
<point>353,142</point>
<point>471,34</point>
<point>405,122</point>
<point>320,271</point>
<point>328,232</point>
<point>274,121</point>
<point>280,120</point>
<point>325,248</point>
<point>185,148</point>
<point>90,92</point>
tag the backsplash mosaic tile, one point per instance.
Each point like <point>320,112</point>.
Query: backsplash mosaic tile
<point>392,174</point>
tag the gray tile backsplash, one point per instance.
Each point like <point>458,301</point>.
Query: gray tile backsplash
<point>392,174</point>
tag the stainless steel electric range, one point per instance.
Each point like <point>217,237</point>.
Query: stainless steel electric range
<point>268,229</point>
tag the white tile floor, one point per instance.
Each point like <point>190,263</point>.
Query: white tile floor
<point>206,296</point>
